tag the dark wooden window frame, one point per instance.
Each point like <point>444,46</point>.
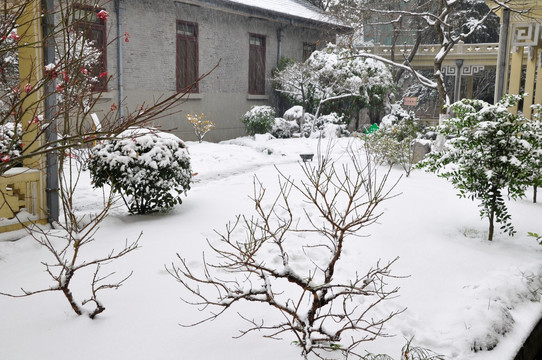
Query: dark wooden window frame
<point>89,26</point>
<point>254,87</point>
<point>179,38</point>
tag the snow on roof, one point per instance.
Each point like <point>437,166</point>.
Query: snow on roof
<point>284,10</point>
<point>297,8</point>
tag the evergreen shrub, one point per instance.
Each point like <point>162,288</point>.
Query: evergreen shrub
<point>149,168</point>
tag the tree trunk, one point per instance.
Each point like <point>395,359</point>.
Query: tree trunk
<point>399,72</point>
<point>491,226</point>
<point>535,189</point>
<point>65,286</point>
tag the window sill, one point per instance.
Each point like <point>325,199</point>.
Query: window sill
<point>257,97</point>
<point>104,97</point>
<point>193,96</point>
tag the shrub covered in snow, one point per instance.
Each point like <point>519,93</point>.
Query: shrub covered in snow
<point>327,126</point>
<point>489,149</point>
<point>10,144</point>
<point>149,168</point>
<point>294,113</point>
<point>393,141</point>
<point>259,119</point>
<point>283,129</point>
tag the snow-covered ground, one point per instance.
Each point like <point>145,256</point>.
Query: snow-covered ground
<point>458,290</point>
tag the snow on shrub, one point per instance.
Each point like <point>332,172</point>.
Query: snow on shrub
<point>149,168</point>
<point>283,129</point>
<point>296,113</point>
<point>326,126</point>
<point>10,144</point>
<point>259,119</point>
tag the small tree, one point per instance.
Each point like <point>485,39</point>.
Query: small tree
<point>150,169</point>
<point>200,124</point>
<point>295,275</point>
<point>486,153</point>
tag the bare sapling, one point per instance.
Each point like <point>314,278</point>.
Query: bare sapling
<point>293,263</point>
<point>67,244</point>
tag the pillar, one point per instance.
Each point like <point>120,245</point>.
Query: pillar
<point>515,73</point>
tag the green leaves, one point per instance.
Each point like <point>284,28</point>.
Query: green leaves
<point>536,236</point>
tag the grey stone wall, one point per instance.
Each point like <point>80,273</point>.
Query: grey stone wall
<point>150,59</point>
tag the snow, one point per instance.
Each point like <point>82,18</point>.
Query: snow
<point>294,113</point>
<point>295,8</point>
<point>459,290</point>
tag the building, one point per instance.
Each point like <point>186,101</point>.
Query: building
<point>165,45</point>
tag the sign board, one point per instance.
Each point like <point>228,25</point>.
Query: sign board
<point>410,101</point>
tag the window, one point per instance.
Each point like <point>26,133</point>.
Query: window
<point>187,55</point>
<point>256,65</point>
<point>308,49</point>
<point>93,29</point>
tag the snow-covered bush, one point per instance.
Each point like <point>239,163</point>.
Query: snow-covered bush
<point>295,113</point>
<point>149,168</point>
<point>259,119</point>
<point>393,141</point>
<point>489,148</point>
<point>283,129</point>
<point>327,126</point>
<point>10,141</point>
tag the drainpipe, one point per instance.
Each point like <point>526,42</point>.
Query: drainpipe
<point>120,67</point>
<point>280,36</point>
<point>50,104</point>
<point>503,55</point>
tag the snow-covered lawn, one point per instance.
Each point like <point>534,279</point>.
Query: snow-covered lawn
<point>458,290</point>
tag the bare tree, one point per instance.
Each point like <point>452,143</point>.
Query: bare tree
<point>66,244</point>
<point>377,21</point>
<point>450,22</point>
<point>321,4</point>
<point>319,306</point>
